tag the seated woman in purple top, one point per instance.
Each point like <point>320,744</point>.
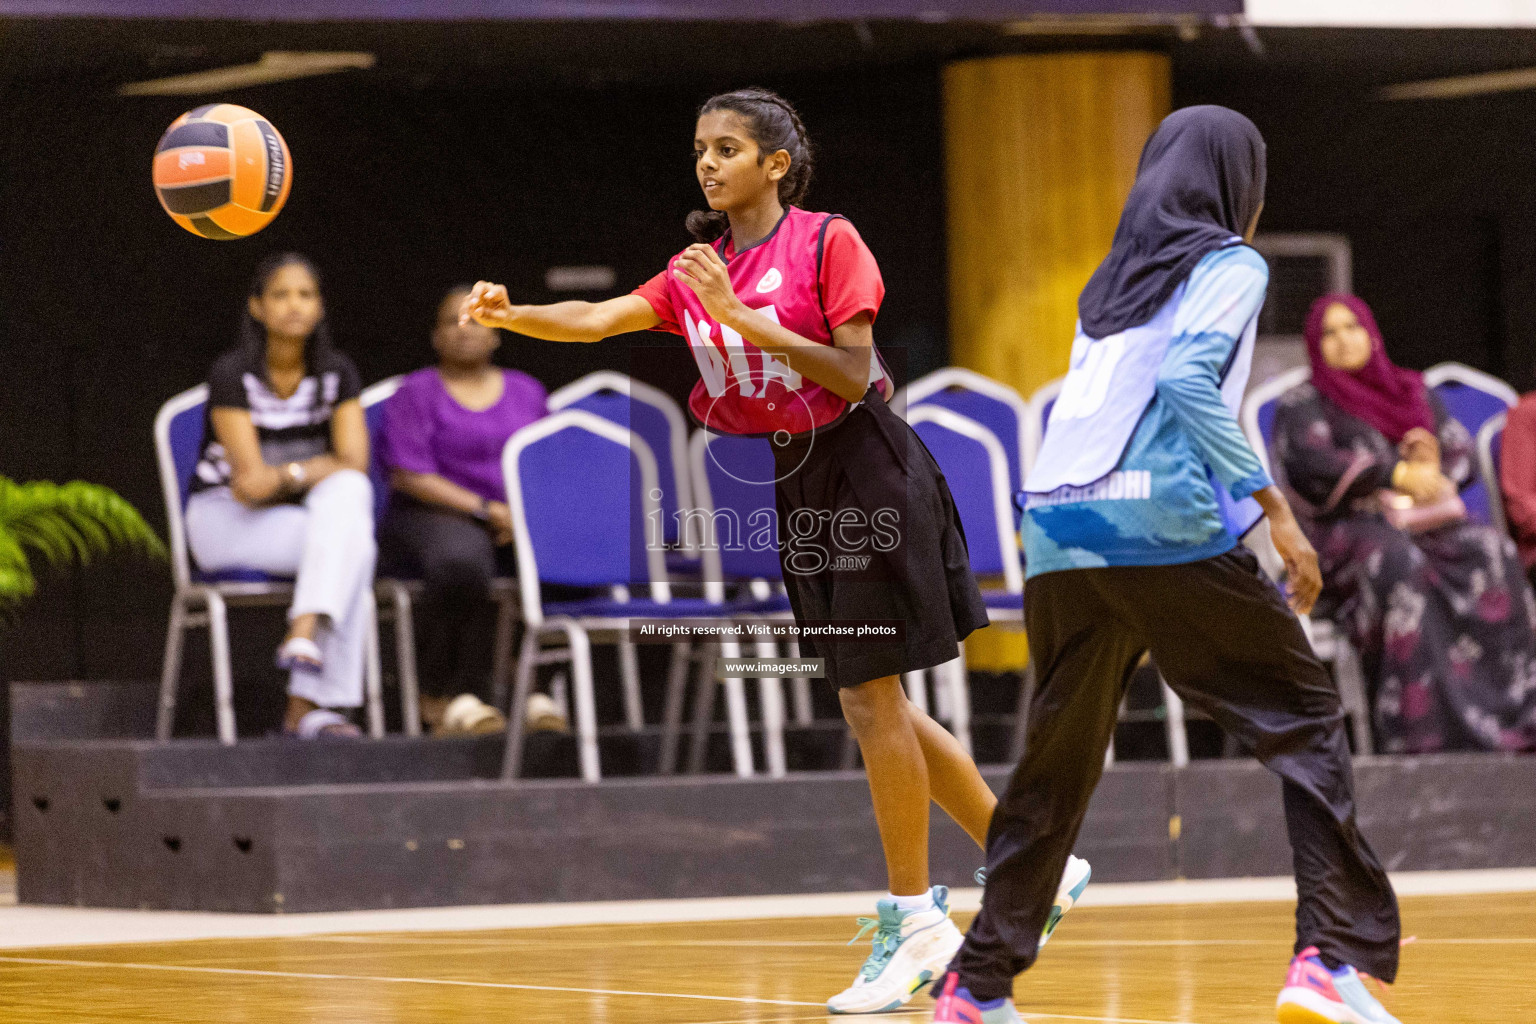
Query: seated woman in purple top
<point>448,523</point>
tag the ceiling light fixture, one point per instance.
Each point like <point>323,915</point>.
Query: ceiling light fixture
<point>274,66</point>
<point>1462,86</point>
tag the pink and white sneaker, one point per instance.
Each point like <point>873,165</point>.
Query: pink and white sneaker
<point>1315,995</point>
<point>956,1005</point>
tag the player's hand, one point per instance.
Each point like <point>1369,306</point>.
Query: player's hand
<point>486,304</point>
<point>703,271</point>
<point>1304,580</point>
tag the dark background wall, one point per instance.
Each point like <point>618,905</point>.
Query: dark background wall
<point>1436,198</point>
<point>408,182</point>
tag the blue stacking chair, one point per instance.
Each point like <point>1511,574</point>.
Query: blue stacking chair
<point>1470,395</point>
<point>1257,419</point>
<point>203,599</point>
<point>1490,450</point>
<point>582,492</point>
<point>975,464</point>
<point>1040,405</point>
<point>734,477</point>
<point>657,419</point>
<point>991,403</point>
<point>733,498</point>
<point>1473,397</point>
<point>373,400</point>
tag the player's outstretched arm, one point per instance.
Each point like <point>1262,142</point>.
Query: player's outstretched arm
<point>489,304</point>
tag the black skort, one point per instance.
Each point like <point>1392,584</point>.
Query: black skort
<point>868,532</point>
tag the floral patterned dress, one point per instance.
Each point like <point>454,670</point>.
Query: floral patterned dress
<point>1444,620</point>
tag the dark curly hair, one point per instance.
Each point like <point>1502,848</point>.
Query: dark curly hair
<point>773,125</point>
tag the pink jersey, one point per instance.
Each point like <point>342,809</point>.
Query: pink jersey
<point>741,388</point>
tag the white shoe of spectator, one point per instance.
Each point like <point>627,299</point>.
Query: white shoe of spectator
<point>543,715</point>
<point>468,715</point>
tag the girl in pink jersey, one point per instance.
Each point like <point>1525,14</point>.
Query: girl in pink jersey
<point>778,306</point>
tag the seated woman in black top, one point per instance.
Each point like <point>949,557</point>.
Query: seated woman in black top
<point>282,488</point>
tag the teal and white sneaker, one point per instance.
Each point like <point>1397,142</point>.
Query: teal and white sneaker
<point>1073,881</point>
<point>909,949</point>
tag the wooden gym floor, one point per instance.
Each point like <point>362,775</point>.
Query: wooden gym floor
<point>1473,959</point>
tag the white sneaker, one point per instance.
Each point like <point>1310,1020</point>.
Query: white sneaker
<point>543,715</point>
<point>1073,881</point>
<point>468,715</point>
<point>909,949</point>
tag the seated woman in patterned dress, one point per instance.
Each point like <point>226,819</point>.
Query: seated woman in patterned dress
<point>1439,608</point>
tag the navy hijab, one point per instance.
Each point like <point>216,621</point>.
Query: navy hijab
<point>1199,183</point>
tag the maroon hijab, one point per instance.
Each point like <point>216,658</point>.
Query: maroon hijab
<point>1383,394</point>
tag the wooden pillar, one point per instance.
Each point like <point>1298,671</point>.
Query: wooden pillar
<point>1041,151</point>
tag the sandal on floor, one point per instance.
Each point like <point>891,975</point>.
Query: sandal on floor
<point>543,715</point>
<point>300,654</point>
<point>325,724</point>
<point>468,715</point>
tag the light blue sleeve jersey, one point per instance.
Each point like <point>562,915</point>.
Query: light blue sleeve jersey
<point>1159,507</point>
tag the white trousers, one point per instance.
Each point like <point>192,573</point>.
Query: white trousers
<point>327,545</point>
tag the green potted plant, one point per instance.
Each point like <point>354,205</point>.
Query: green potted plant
<point>62,524</point>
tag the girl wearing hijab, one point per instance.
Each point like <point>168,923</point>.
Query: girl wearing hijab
<point>1133,513</point>
<point>1438,607</point>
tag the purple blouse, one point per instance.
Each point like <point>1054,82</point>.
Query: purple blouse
<point>426,431</point>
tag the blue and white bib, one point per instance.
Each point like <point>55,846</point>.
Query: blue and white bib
<point>1143,462</point>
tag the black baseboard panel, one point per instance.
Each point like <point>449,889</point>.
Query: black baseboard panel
<point>273,826</point>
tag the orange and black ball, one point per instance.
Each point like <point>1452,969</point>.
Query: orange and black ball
<point>222,171</point>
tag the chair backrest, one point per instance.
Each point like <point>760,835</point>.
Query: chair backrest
<point>580,489</point>
<point>975,465</point>
<point>991,403</point>
<point>651,414</point>
<point>178,445</point>
<point>1473,397</point>
<point>373,400</point>
<point>735,519</point>
<point>1040,405</point>
<point>1257,416</point>
<point>1490,451</point>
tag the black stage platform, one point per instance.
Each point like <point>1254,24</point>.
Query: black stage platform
<point>274,825</point>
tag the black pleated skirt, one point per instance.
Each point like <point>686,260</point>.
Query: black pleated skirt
<point>868,533</point>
